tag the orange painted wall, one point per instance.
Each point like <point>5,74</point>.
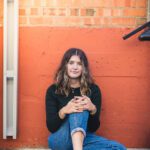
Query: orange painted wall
<point>121,68</point>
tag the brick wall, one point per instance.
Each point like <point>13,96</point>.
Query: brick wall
<point>82,13</point>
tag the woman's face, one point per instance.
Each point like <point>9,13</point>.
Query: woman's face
<point>74,67</point>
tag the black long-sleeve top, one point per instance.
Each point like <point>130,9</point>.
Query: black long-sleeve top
<point>54,102</point>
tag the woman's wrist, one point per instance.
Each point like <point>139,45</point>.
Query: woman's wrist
<point>94,110</point>
<point>62,113</point>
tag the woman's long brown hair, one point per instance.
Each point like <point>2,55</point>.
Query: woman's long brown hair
<point>62,79</point>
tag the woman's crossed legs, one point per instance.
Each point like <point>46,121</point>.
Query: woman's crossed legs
<point>74,123</point>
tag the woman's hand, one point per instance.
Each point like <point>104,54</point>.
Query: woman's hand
<point>84,103</point>
<point>78,104</point>
<point>72,106</point>
<point>88,105</point>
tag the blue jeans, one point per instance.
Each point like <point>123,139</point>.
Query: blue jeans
<point>61,139</point>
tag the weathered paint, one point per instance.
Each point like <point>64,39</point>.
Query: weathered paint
<point>121,68</point>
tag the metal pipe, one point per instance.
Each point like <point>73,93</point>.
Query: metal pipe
<point>147,24</point>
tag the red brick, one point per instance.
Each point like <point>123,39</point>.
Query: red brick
<point>59,21</point>
<point>74,3</point>
<point>87,12</point>
<point>124,21</point>
<point>107,12</point>
<point>132,3</point>
<point>74,21</point>
<point>47,20</point>
<point>141,3</point>
<point>37,3</point>
<point>74,12</point>
<point>52,11</point>
<point>116,12</point>
<point>34,11</point>
<point>22,20</point>
<point>127,3</point>
<point>87,21</point>
<point>1,3</point>
<point>83,12</point>
<point>105,21</point>
<point>35,20</point>
<point>62,12</point>
<point>99,12</point>
<point>91,3</point>
<point>119,3</point>
<point>59,3</point>
<point>22,12</point>
<point>135,12</point>
<point>49,11</point>
<point>107,3</point>
<point>25,3</point>
<point>96,21</point>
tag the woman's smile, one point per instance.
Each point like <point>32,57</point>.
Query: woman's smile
<point>74,67</point>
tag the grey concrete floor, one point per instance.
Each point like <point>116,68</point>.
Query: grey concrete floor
<point>49,149</point>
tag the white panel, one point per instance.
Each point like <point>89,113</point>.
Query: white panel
<point>10,36</point>
<point>148,10</point>
<point>10,114</point>
<point>10,68</point>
